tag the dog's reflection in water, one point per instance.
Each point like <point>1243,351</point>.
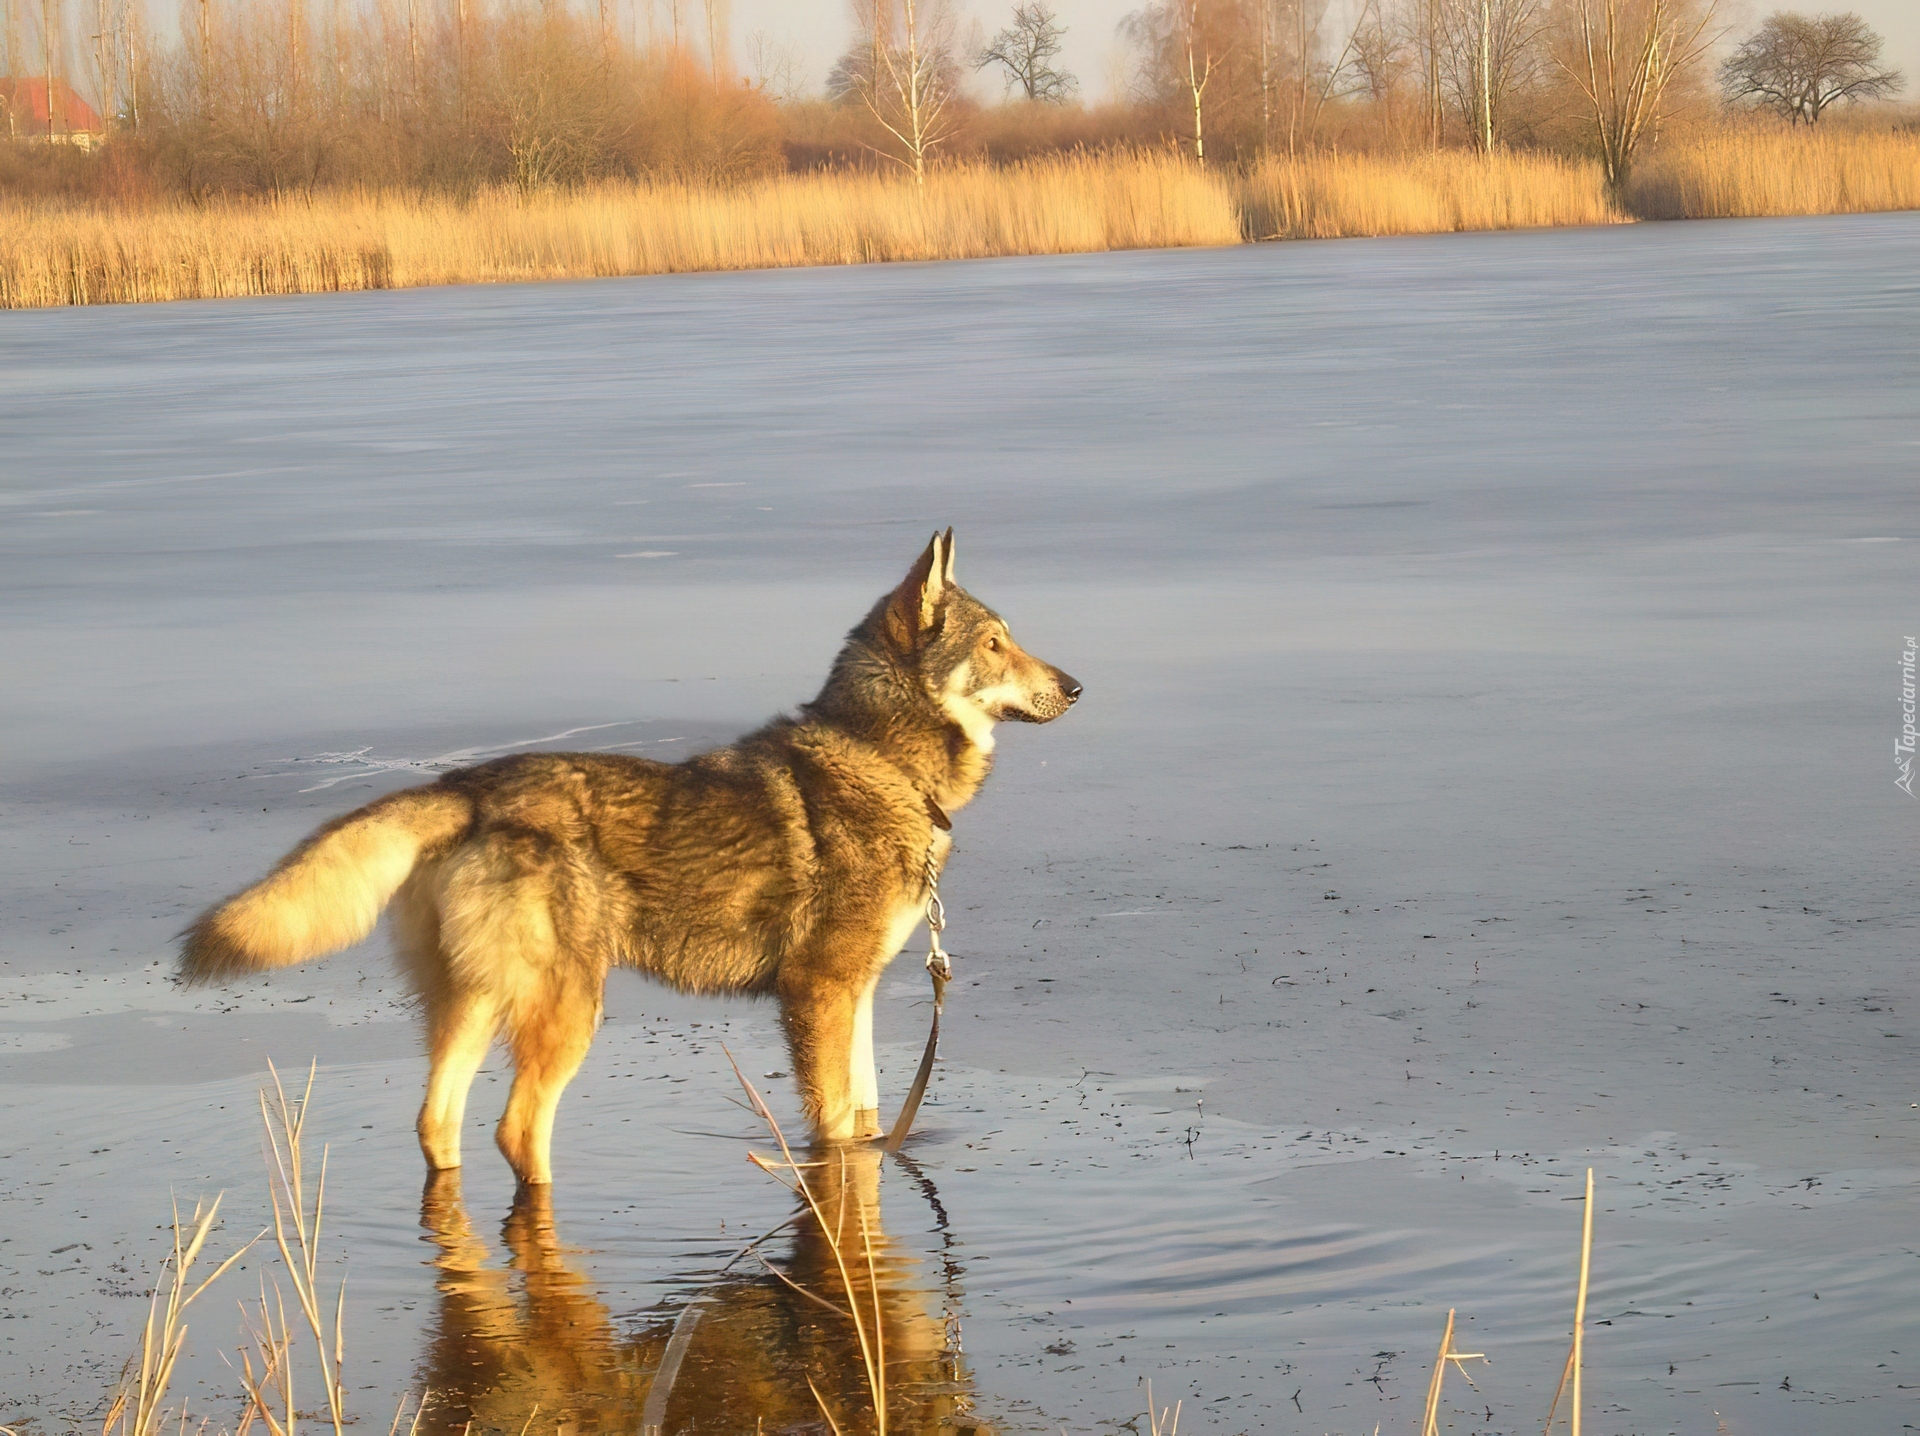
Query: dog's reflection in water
<point>533,1349</point>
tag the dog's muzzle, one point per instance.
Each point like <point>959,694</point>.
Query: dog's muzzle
<point>1049,706</point>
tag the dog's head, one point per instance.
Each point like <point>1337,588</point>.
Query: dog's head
<point>964,654</point>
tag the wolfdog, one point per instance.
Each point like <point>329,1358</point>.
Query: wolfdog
<point>794,864</point>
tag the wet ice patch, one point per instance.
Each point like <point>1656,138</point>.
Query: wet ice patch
<point>364,762</point>
<point>34,1042</point>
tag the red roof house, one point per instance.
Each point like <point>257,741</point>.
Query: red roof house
<point>25,98</point>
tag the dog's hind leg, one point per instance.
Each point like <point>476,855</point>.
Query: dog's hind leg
<point>460,1029</point>
<point>550,1036</point>
<point>461,1022</point>
<point>864,1079</point>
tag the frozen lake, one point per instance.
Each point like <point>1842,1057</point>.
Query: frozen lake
<point>1486,772</point>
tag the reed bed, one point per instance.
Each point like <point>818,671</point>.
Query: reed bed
<point>53,256</point>
<point>1347,196</point>
<point>59,254</point>
<point>1780,172</point>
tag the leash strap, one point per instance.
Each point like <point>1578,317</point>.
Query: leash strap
<point>940,969</point>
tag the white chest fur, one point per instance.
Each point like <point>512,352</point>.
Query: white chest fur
<point>906,917</point>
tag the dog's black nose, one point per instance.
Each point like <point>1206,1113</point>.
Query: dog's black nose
<point>1070,686</point>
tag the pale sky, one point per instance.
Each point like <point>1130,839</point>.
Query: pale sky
<point>815,31</point>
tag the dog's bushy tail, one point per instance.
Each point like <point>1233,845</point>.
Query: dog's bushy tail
<point>327,893</point>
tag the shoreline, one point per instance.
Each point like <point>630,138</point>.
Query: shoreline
<point>56,256</point>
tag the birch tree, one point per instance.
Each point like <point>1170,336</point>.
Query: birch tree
<point>1624,57</point>
<point>1492,50</point>
<point>1198,75</point>
<point>902,67</point>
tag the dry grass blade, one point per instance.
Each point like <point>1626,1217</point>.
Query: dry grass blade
<point>821,1402</point>
<point>1434,1382</point>
<point>813,1297</point>
<point>1580,1305</point>
<point>872,1354</point>
<point>296,1230</point>
<point>1161,1422</point>
<point>273,1343</point>
<point>419,1410</point>
<point>139,1406</point>
<point>1553,1409</point>
<point>873,1290</point>
<point>1431,1425</point>
<point>653,1415</point>
<point>1576,1355</point>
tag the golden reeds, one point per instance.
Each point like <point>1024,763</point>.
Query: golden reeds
<point>1811,170</point>
<point>56,254</point>
<point>1343,196</point>
<point>53,256</point>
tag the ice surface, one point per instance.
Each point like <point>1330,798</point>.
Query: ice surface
<point>1491,647</point>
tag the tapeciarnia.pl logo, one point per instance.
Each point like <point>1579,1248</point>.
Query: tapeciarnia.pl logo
<point>1903,746</point>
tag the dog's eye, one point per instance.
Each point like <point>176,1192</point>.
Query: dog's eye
<point>993,645</point>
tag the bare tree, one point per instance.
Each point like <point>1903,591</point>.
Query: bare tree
<point>1380,54</point>
<point>49,50</point>
<point>1350,72</point>
<point>902,68</point>
<point>557,117</point>
<point>776,70</point>
<point>1624,57</point>
<point>14,66</point>
<point>106,67</point>
<point>1213,70</point>
<point>717,43</point>
<point>1492,51</point>
<point>1432,32</point>
<point>1197,79</point>
<point>1026,49</point>
<point>1798,66</point>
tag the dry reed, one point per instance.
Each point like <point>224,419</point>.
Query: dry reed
<point>55,256</point>
<point>1164,1420</point>
<point>296,1230</point>
<point>58,254</point>
<point>1430,1426</point>
<point>1576,1355</point>
<point>1746,174</point>
<point>1345,196</point>
<point>139,1407</point>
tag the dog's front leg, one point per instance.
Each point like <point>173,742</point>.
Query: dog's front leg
<point>820,1013</point>
<point>865,1079</point>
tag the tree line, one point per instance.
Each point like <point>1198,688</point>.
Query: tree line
<point>279,96</point>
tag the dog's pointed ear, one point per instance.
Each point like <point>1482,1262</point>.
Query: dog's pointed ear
<point>914,608</point>
<point>946,567</point>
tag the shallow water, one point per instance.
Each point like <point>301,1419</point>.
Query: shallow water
<point>1491,646</point>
